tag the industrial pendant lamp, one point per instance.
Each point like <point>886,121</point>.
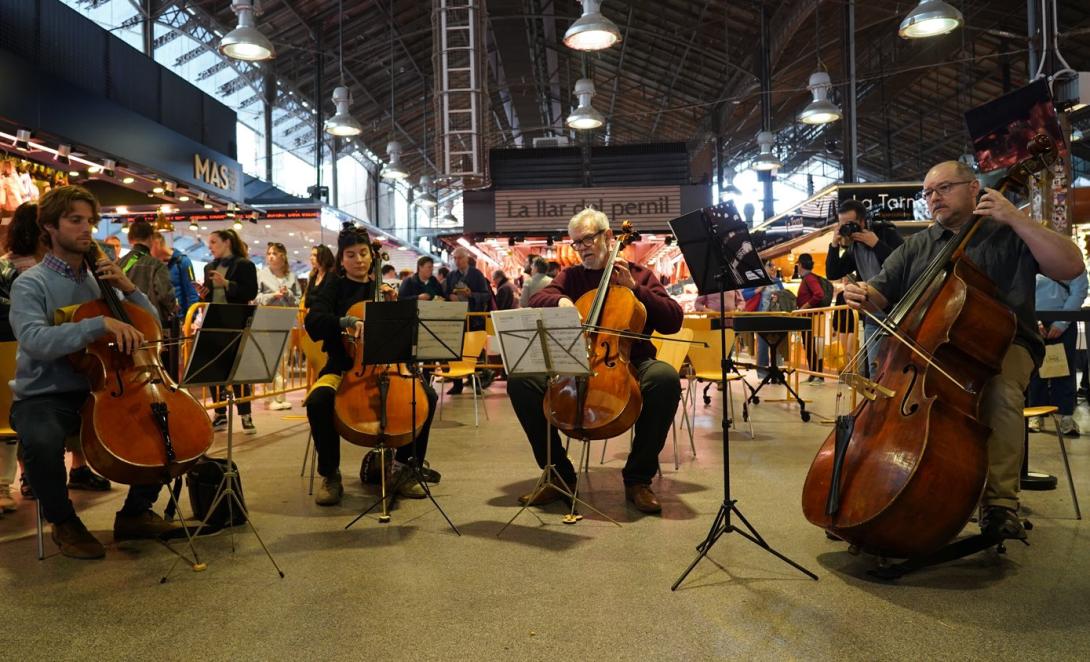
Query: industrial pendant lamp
<point>820,110</point>
<point>930,18</point>
<point>394,170</point>
<point>342,123</point>
<point>766,160</point>
<point>426,198</point>
<point>729,173</point>
<point>585,116</point>
<point>246,42</point>
<point>448,214</point>
<point>592,31</point>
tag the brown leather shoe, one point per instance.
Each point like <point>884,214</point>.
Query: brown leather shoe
<point>545,496</point>
<point>145,526</point>
<point>76,541</point>
<point>643,498</point>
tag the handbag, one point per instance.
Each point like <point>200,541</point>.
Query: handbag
<point>1055,363</point>
<point>203,480</point>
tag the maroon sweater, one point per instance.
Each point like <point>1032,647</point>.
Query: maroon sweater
<point>663,313</point>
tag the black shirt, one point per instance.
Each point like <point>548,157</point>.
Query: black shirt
<point>328,305</point>
<point>996,249</point>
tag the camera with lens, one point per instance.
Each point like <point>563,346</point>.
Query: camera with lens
<point>848,229</point>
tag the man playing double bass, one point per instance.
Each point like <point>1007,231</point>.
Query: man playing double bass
<point>659,382</point>
<point>1011,249</point>
<point>48,391</point>
<point>326,320</point>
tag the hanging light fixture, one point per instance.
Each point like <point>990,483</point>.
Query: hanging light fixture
<point>63,152</point>
<point>246,42</point>
<point>426,198</point>
<point>394,169</point>
<point>766,160</point>
<point>109,167</point>
<point>592,31</point>
<point>193,227</point>
<point>585,116</point>
<point>22,140</point>
<point>448,214</point>
<point>342,123</point>
<point>729,173</point>
<point>820,110</point>
<point>930,18</point>
<point>237,225</point>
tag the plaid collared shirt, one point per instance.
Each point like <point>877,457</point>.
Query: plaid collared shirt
<point>54,263</point>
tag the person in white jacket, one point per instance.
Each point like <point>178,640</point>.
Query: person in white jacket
<point>277,286</point>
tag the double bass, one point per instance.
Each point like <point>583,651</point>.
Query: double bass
<point>609,401</point>
<point>900,476</point>
<point>139,427</point>
<point>373,405</point>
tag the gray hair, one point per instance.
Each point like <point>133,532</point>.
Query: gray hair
<point>461,251</point>
<point>589,216</point>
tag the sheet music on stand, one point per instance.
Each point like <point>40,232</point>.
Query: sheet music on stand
<point>542,341</point>
<point>442,326</point>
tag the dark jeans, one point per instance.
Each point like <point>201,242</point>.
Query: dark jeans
<point>661,389</point>
<point>1058,391</point>
<point>43,423</point>
<point>814,360</point>
<point>241,391</point>
<point>328,443</point>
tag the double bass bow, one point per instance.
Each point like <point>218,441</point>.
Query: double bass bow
<point>138,426</point>
<point>609,401</point>
<point>373,405</point>
<point>901,474</point>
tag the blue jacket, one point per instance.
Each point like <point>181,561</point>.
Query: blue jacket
<point>181,275</point>
<point>1061,295</point>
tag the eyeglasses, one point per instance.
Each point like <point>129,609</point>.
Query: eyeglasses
<point>585,242</point>
<point>277,245</point>
<point>942,189</point>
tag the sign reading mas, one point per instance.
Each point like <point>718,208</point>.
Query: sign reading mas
<point>649,206</point>
<point>214,174</point>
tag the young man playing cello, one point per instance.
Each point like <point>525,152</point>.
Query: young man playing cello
<point>659,383</point>
<point>1011,249</point>
<point>48,392</point>
<point>326,320</point>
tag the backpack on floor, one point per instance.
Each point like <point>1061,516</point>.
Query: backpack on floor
<point>203,480</point>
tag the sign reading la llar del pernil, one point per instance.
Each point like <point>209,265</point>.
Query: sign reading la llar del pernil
<point>649,206</point>
<point>212,173</point>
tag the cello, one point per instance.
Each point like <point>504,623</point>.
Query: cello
<point>139,427</point>
<point>608,402</point>
<point>373,403</point>
<point>900,476</point>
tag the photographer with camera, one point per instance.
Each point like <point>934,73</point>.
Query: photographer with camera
<point>860,245</point>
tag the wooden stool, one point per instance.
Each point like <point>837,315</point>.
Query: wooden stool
<point>1053,411</point>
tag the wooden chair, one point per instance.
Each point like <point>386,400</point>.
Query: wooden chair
<point>1053,412</point>
<point>673,353</point>
<point>7,434</point>
<point>472,346</point>
<point>706,365</point>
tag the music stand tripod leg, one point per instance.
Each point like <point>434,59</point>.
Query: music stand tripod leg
<point>196,564</point>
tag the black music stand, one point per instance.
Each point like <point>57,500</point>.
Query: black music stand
<point>716,245</point>
<point>237,344</point>
<point>548,342</point>
<point>390,338</point>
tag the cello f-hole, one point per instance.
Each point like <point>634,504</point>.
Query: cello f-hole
<point>906,408</point>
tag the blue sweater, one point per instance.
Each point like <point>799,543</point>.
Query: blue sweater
<point>41,364</point>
